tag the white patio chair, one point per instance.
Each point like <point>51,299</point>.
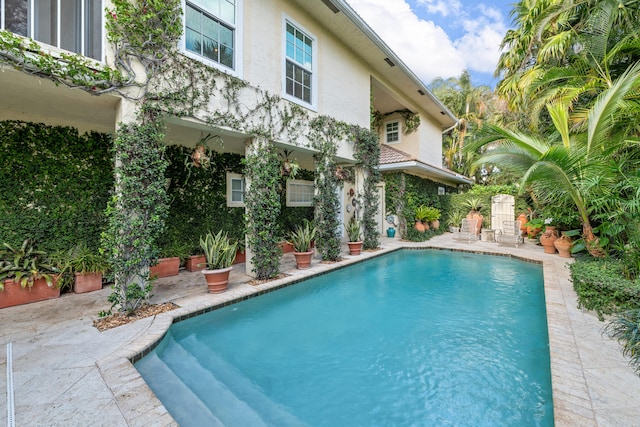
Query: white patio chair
<point>510,233</point>
<point>468,230</point>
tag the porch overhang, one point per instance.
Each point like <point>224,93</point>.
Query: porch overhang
<point>415,167</point>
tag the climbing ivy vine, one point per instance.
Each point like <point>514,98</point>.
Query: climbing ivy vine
<point>367,153</point>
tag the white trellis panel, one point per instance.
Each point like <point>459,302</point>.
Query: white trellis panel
<point>502,209</point>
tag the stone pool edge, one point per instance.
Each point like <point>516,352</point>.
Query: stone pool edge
<point>571,400</point>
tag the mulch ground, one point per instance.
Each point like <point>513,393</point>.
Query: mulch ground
<point>146,310</point>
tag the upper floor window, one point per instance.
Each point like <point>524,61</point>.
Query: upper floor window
<point>210,30</point>
<point>392,132</point>
<point>299,64</point>
<point>73,25</point>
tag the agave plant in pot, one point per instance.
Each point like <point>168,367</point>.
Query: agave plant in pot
<point>354,234</point>
<point>301,239</point>
<point>219,252</point>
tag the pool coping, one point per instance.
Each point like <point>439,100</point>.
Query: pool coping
<point>572,403</point>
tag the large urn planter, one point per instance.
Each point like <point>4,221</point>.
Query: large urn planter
<point>195,263</point>
<point>547,238</point>
<point>87,282</point>
<point>355,248</point>
<point>166,267</point>
<point>563,245</point>
<point>303,259</point>
<point>14,294</point>
<point>217,280</point>
<point>420,226</point>
<point>476,215</point>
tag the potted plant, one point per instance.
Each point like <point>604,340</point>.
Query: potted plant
<point>196,261</point>
<point>432,217</point>
<point>168,264</point>
<point>301,239</point>
<point>454,221</point>
<point>475,206</point>
<point>26,276</point>
<point>241,255</point>
<point>219,252</point>
<point>354,234</point>
<point>421,214</point>
<point>87,267</point>
<point>534,227</point>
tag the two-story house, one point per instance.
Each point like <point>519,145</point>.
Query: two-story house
<point>318,57</point>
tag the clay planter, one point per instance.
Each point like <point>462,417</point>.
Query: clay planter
<point>435,224</point>
<point>166,267</point>
<point>547,238</point>
<point>217,280</point>
<point>14,294</point>
<point>240,257</point>
<point>303,259</point>
<point>563,245</point>
<point>87,282</point>
<point>196,263</point>
<point>286,247</point>
<point>355,248</point>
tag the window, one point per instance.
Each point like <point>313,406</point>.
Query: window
<point>441,191</point>
<point>73,25</point>
<point>299,193</point>
<point>235,190</point>
<point>210,30</point>
<point>392,132</point>
<point>299,64</point>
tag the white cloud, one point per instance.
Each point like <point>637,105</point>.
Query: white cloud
<point>421,44</point>
<point>444,8</point>
<point>425,46</point>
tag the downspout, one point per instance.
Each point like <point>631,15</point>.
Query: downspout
<point>452,127</point>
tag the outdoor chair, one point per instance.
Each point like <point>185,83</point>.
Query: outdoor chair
<point>468,230</point>
<point>510,233</point>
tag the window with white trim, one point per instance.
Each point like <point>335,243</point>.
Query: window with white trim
<point>299,192</point>
<point>210,30</point>
<point>235,190</point>
<point>299,64</point>
<point>392,132</point>
<point>73,25</point>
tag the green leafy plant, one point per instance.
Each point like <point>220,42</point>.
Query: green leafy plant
<point>474,204</point>
<point>422,212</point>
<point>432,214</point>
<point>302,236</point>
<point>354,231</point>
<point>625,328</point>
<point>25,265</point>
<point>455,218</point>
<point>82,259</point>
<point>219,250</point>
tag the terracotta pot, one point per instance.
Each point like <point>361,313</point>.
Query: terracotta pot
<point>14,294</point>
<point>419,226</point>
<point>240,257</point>
<point>286,247</point>
<point>87,282</point>
<point>355,248</point>
<point>532,232</point>
<point>435,224</point>
<point>523,220</point>
<point>303,259</point>
<point>563,245</point>
<point>166,267</point>
<point>547,238</point>
<point>217,280</point>
<point>196,263</point>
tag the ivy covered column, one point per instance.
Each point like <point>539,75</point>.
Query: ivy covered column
<point>262,201</point>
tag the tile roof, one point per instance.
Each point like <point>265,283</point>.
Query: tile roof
<point>390,155</point>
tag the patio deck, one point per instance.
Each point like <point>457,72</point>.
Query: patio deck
<point>66,373</point>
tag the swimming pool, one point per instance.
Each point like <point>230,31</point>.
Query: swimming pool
<point>409,338</point>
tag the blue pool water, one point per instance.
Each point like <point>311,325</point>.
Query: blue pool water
<point>412,338</point>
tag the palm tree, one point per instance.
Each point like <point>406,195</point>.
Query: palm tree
<point>472,105</point>
<point>583,148</point>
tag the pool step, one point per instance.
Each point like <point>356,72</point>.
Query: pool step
<point>173,393</point>
<point>227,407</point>
<point>273,413</point>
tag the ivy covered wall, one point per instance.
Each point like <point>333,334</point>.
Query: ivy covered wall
<point>55,185</point>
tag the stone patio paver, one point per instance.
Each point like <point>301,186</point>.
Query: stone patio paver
<point>66,373</point>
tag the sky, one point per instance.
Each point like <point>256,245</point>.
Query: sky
<point>441,38</point>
